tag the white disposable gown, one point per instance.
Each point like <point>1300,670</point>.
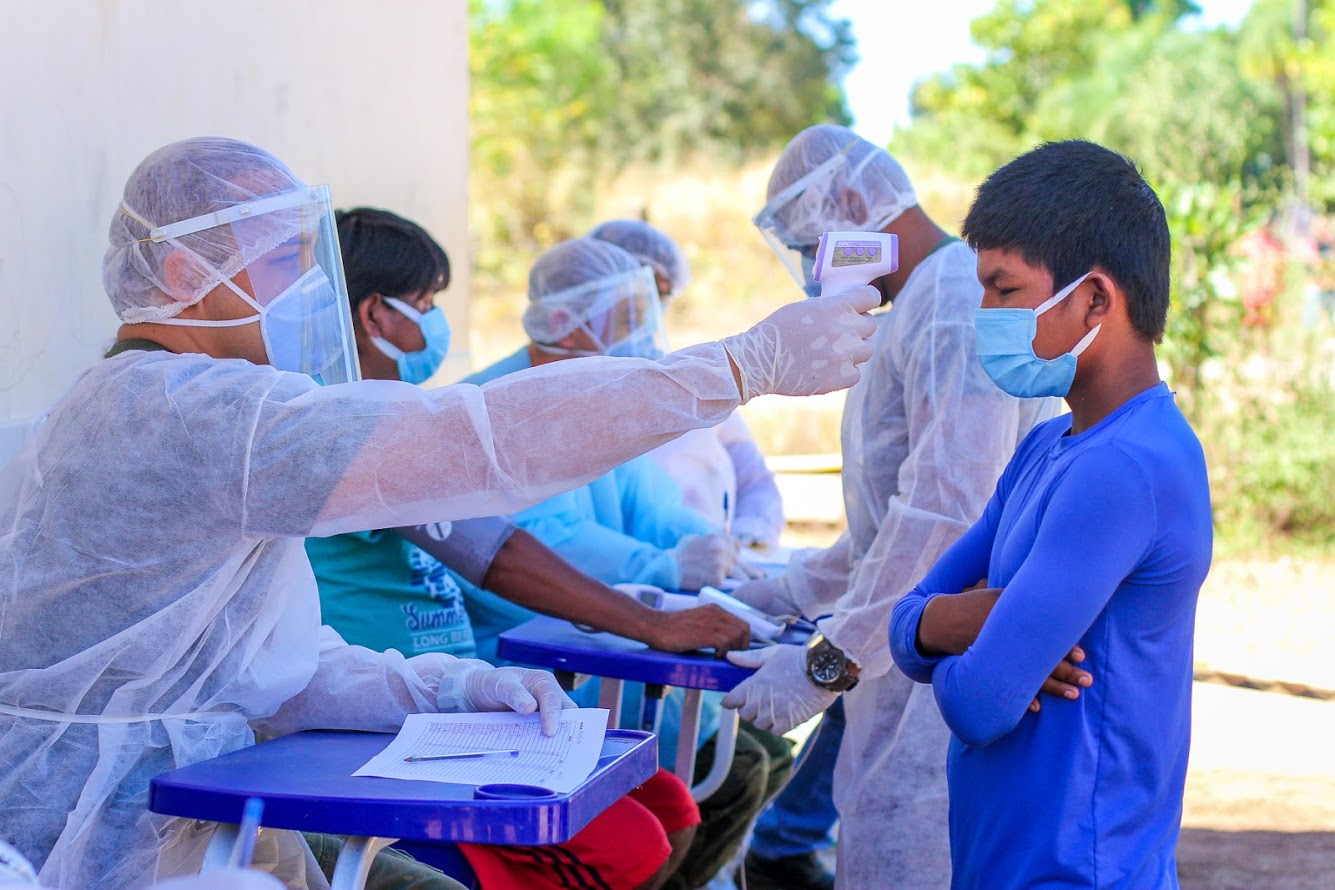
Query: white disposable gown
<point>156,603</point>
<point>925,436</point>
<point>707,464</point>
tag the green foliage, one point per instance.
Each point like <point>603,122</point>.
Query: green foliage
<point>566,92</point>
<point>1124,74</point>
<point>1271,462</point>
<point>721,76</point>
<point>1315,60</point>
<point>537,99</point>
<point>1206,220</point>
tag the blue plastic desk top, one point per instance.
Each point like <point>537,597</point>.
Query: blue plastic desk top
<point>306,783</point>
<point>560,646</point>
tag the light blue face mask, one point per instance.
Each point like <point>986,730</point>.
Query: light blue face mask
<point>1005,341</point>
<point>417,367</point>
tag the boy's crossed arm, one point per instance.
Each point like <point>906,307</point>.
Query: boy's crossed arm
<point>949,625</point>
<point>988,656</point>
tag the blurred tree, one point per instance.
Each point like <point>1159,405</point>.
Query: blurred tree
<point>540,90</point>
<point>564,90</point>
<point>1318,64</point>
<point>1032,46</point>
<point>1126,75</point>
<point>716,76</point>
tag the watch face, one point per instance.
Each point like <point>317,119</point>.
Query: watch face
<point>826,667</point>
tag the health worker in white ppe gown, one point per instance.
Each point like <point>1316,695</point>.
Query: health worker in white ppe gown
<point>925,436</point>
<point>157,606</point>
<point>713,467</point>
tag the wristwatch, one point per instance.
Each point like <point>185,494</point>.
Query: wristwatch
<point>828,667</point>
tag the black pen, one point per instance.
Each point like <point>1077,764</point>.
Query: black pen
<point>420,758</point>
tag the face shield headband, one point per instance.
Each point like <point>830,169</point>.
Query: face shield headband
<point>297,288</point>
<point>619,315</point>
<point>791,223</point>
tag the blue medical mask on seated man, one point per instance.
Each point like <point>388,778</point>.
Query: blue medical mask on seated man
<point>417,367</point>
<point>1005,342</point>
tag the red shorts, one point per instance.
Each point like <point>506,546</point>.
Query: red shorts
<point>618,850</point>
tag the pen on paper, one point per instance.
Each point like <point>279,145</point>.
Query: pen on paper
<point>421,758</point>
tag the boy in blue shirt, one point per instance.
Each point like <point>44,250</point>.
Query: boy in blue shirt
<point>1091,552</point>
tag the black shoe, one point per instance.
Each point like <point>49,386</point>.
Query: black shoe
<point>787,873</point>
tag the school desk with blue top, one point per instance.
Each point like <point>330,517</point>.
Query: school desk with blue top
<point>306,783</point>
<point>571,654</point>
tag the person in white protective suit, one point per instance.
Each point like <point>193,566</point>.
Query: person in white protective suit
<point>714,467</point>
<point>157,605</point>
<point>925,436</point>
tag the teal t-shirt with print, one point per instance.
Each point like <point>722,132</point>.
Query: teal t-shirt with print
<point>379,591</point>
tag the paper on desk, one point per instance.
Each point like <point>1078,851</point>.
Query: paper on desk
<point>560,762</point>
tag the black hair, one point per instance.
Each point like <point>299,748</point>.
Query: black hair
<point>1070,206</point>
<point>385,254</point>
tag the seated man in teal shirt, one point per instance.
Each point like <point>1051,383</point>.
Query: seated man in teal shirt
<point>390,588</point>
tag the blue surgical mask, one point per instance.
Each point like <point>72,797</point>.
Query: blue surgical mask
<point>417,367</point>
<point>1005,341</point>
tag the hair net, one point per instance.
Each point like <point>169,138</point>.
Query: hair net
<point>648,245</point>
<point>831,179</point>
<point>182,181</point>
<point>571,283</point>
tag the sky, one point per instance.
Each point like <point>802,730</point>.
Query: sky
<point>902,42</point>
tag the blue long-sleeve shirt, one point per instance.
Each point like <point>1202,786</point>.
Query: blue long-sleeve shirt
<point>1102,539</point>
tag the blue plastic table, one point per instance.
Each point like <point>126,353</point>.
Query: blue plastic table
<point>561,647</point>
<point>306,783</point>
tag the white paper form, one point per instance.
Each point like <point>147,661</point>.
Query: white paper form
<point>560,762</point>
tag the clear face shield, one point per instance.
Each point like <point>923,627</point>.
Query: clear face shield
<point>618,315</point>
<point>296,280</point>
<point>793,221</point>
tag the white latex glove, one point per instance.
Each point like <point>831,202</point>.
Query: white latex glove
<point>808,347</point>
<point>750,531</point>
<point>769,595</point>
<point>704,559</point>
<point>778,696</point>
<point>15,870</point>
<point>744,571</point>
<point>518,689</point>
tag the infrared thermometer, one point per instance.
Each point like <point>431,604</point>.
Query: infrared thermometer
<point>845,260</point>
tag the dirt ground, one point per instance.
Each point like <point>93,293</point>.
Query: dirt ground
<point>1259,812</point>
<point>1259,809</point>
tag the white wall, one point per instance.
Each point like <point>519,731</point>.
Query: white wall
<point>370,97</point>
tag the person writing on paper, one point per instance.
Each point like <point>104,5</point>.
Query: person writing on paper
<point>712,467</point>
<point>925,436</point>
<point>1092,549</point>
<point>589,296</point>
<point>387,589</point>
<point>159,606</point>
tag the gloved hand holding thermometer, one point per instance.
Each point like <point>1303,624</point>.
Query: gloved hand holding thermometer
<point>845,260</point>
